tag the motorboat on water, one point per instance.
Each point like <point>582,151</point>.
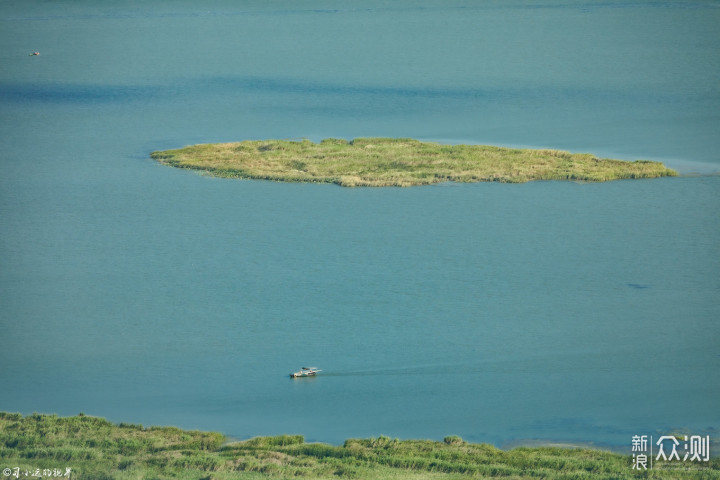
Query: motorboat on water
<point>305,372</point>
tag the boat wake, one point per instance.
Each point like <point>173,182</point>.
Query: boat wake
<point>421,370</point>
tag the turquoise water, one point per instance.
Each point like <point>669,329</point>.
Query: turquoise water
<point>501,313</point>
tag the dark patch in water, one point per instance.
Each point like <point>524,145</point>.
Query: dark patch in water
<point>76,93</point>
<point>235,86</point>
<point>639,286</point>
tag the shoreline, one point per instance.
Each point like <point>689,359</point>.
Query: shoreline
<point>93,447</point>
<point>398,162</point>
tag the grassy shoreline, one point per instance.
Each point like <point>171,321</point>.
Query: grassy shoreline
<point>94,448</point>
<point>398,162</point>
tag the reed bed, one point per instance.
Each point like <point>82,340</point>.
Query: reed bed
<point>96,449</point>
<point>398,162</point>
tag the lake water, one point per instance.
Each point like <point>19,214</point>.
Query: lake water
<point>550,311</point>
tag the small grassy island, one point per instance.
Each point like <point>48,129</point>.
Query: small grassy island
<point>398,162</point>
<point>94,448</point>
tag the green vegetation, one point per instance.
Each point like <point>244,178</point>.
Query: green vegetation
<point>402,162</point>
<point>95,449</point>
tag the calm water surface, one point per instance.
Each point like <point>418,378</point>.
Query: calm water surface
<point>501,313</point>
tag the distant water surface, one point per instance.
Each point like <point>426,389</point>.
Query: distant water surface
<point>501,313</point>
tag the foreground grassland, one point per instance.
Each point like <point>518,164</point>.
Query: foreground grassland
<point>95,449</point>
<point>402,162</point>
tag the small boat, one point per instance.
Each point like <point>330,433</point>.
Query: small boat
<point>305,372</point>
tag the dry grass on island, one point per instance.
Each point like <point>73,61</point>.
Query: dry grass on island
<point>398,162</point>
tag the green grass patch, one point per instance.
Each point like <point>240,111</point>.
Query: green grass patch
<point>398,162</point>
<point>94,448</point>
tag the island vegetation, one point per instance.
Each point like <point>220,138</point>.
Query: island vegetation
<point>399,162</point>
<point>96,449</point>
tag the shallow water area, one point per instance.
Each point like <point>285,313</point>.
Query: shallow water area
<point>548,311</point>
